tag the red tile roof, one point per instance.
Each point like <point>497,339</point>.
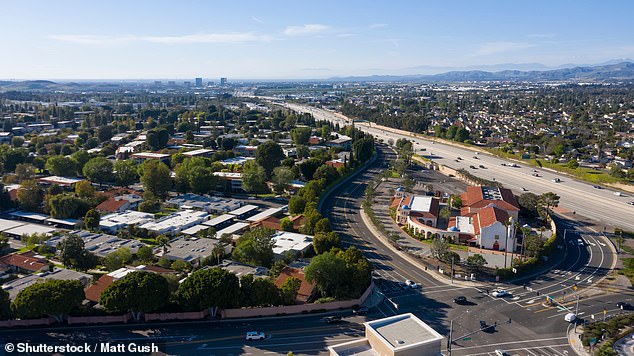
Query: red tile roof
<point>474,198</point>
<point>93,292</point>
<point>24,261</point>
<point>489,215</point>
<point>111,205</point>
<point>306,288</point>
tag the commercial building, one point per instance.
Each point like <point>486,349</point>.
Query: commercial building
<point>15,286</point>
<point>112,223</point>
<point>245,211</point>
<point>191,249</point>
<point>144,156</point>
<point>291,241</point>
<point>212,205</point>
<point>99,244</point>
<point>61,181</point>
<point>416,208</point>
<point>203,152</point>
<point>399,335</point>
<point>176,222</point>
<point>199,82</point>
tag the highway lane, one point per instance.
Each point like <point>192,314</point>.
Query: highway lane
<point>598,204</point>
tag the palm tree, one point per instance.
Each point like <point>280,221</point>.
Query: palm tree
<point>163,242</point>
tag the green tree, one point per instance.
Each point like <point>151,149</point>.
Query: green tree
<point>209,289</point>
<point>63,206</point>
<point>55,298</point>
<point>137,292</point>
<point>288,290</point>
<point>296,205</point>
<point>282,177</point>
<point>62,166</point>
<point>180,265</point>
<point>328,272</point>
<point>30,195</point>
<point>533,245</point>
<point>24,171</point>
<point>98,170</point>
<point>92,219</point>
<point>145,254</point>
<point>572,164</point>
<point>73,254</point>
<point>301,135</point>
<point>322,226</point>
<point>17,141</point>
<point>269,155</point>
<point>455,201</point>
<point>265,293</point>
<point>309,167</point>
<point>156,178</point>
<point>286,224</point>
<point>325,241</point>
<point>548,200</point>
<point>255,247</point>
<point>84,189</point>
<point>81,157</point>
<point>163,242</point>
<point>253,177</point>
<point>157,139</point>
<point>118,259</point>
<point>475,262</point>
<point>529,202</point>
<point>126,172</point>
<point>439,247</point>
<point>326,172</point>
<point>363,149</point>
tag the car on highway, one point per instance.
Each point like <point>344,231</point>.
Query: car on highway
<point>618,194</point>
<point>535,174</point>
<point>472,167</point>
<point>631,203</point>
<point>515,165</point>
<point>475,157</point>
<point>482,166</point>
<point>524,189</point>
<point>503,164</point>
<point>597,187</point>
<point>460,300</point>
<point>458,158</point>
<point>411,284</point>
<point>332,319</point>
<point>580,242</point>
<point>557,180</point>
<point>624,305</point>
<point>255,335</point>
<point>499,293</point>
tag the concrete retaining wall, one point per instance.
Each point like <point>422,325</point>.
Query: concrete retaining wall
<point>176,316</point>
<point>26,322</point>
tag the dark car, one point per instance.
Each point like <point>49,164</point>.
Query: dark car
<point>460,300</point>
<point>332,319</point>
<point>360,311</point>
<point>624,306</point>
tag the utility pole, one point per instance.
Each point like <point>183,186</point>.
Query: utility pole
<point>449,340</point>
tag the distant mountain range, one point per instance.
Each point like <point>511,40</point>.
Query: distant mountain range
<point>623,71</point>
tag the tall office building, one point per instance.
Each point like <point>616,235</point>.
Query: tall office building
<point>199,82</point>
<point>223,81</point>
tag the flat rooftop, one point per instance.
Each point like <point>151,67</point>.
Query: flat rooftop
<point>421,203</point>
<point>244,210</point>
<point>266,213</point>
<point>403,331</point>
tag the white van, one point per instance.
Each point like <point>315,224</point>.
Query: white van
<point>570,317</point>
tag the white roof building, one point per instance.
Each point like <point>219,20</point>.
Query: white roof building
<point>291,241</point>
<point>191,249</point>
<point>116,221</point>
<point>176,222</point>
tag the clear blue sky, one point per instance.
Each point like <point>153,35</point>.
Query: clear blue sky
<point>272,39</point>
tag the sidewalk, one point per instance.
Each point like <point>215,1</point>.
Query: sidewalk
<point>575,341</point>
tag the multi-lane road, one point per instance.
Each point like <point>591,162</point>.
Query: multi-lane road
<point>535,328</point>
<point>583,198</point>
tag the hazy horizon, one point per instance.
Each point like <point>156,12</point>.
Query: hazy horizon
<point>276,40</point>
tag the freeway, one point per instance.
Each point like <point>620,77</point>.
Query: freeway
<point>583,198</point>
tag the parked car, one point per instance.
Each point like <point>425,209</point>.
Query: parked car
<point>499,293</point>
<point>332,319</point>
<point>460,299</point>
<point>499,352</point>
<point>255,335</point>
